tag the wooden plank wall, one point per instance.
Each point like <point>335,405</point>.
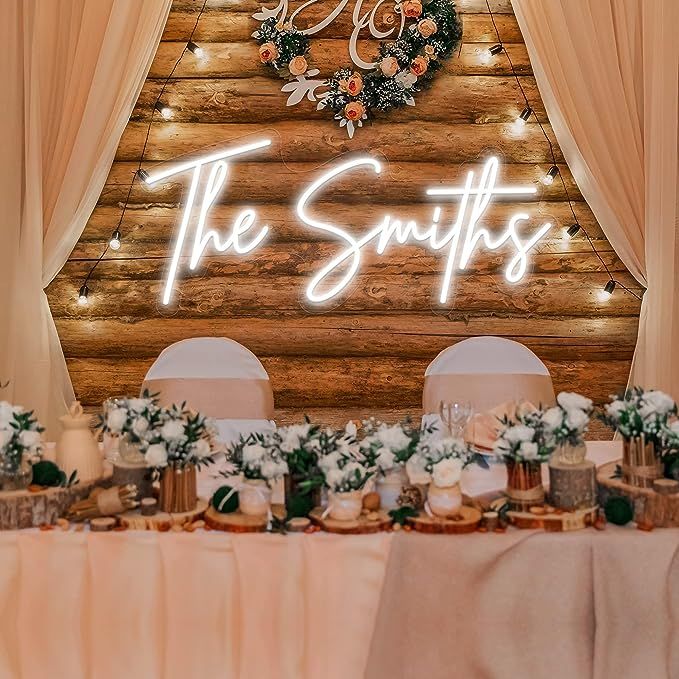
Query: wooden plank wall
<point>367,354</point>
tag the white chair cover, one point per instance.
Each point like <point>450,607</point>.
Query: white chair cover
<point>220,378</point>
<point>487,372</point>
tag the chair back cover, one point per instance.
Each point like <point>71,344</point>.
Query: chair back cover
<point>488,372</point>
<point>220,378</point>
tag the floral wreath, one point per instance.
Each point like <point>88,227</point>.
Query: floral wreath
<point>431,31</point>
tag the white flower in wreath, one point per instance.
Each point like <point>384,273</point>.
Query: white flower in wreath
<point>172,430</point>
<point>447,473</point>
<point>553,418</point>
<point>569,400</point>
<point>528,450</point>
<point>405,79</point>
<point>156,455</point>
<point>116,420</point>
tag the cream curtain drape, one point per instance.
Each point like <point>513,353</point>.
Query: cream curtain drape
<point>607,71</point>
<point>73,70</point>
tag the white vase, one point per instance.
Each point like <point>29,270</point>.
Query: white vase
<point>254,497</point>
<point>345,506</point>
<point>77,448</point>
<point>389,487</point>
<point>444,502</point>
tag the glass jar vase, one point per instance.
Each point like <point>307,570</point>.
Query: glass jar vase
<point>524,484</point>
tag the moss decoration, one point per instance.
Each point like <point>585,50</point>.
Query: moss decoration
<point>46,473</point>
<point>618,510</point>
<point>228,507</point>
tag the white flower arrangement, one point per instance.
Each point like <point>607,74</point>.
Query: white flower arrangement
<point>259,457</point>
<point>640,413</point>
<point>568,421</point>
<point>526,438</point>
<point>439,461</point>
<point>133,418</point>
<point>343,465</point>
<point>20,437</point>
<point>388,447</point>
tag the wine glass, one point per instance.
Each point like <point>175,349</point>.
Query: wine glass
<point>455,415</point>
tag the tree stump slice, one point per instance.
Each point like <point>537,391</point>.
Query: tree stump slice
<point>554,522</point>
<point>360,526</point>
<point>125,473</point>
<point>572,486</point>
<point>27,509</point>
<point>162,521</point>
<point>235,522</point>
<point>468,521</point>
<point>650,507</point>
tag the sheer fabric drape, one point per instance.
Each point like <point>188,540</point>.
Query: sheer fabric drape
<point>72,73</point>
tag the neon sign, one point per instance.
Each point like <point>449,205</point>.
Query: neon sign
<point>458,240</point>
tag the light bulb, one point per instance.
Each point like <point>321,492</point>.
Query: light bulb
<point>524,116</point>
<point>163,109</point>
<point>143,175</point>
<point>114,243</point>
<point>487,54</point>
<point>196,50</point>
<point>82,295</point>
<point>551,173</point>
<point>572,230</point>
<point>606,293</point>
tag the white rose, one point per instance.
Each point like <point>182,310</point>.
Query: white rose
<point>393,438</point>
<point>6,436</point>
<point>253,453</point>
<point>268,470</point>
<point>416,471</point>
<point>658,401</point>
<point>156,455</point>
<point>173,430</point>
<point>447,472</point>
<point>569,400</point>
<point>201,448</point>
<point>553,417</point>
<point>528,450</point>
<point>519,432</point>
<point>290,442</point>
<point>405,79</point>
<point>140,426</point>
<point>385,459</point>
<point>333,478</point>
<point>577,419</point>
<point>29,439</point>
<point>136,405</point>
<point>116,420</point>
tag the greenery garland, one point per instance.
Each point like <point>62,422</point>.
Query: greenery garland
<point>431,33</point>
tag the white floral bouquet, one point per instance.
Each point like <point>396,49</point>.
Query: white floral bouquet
<point>341,462</point>
<point>568,421</point>
<point>259,456</point>
<point>133,418</point>
<point>640,413</point>
<point>526,438</point>
<point>20,437</point>
<point>439,461</point>
<point>389,446</point>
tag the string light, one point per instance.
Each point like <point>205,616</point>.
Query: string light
<point>82,294</point>
<point>141,174</point>
<point>114,243</point>
<point>163,109</point>
<point>551,173</point>
<point>196,50</point>
<point>521,121</point>
<point>488,54</point>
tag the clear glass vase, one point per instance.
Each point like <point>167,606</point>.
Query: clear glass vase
<point>570,455</point>
<point>130,453</point>
<point>16,477</point>
<point>524,484</point>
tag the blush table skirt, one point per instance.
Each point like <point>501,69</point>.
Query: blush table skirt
<point>393,606</point>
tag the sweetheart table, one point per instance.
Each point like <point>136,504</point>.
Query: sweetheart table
<point>390,605</point>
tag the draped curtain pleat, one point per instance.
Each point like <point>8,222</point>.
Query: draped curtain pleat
<point>72,72</point>
<point>608,73</point>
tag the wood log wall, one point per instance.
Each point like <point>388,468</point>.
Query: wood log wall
<point>367,354</point>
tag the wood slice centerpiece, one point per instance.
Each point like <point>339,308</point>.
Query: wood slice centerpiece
<point>235,522</point>
<point>379,520</point>
<point>657,506</point>
<point>572,486</point>
<point>467,521</point>
<point>29,508</point>
<point>162,521</point>
<point>552,520</point>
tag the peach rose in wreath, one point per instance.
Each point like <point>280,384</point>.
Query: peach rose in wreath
<point>418,66</point>
<point>268,52</point>
<point>389,66</point>
<point>298,65</point>
<point>354,110</point>
<point>355,84</point>
<point>427,27</point>
<point>411,8</point>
